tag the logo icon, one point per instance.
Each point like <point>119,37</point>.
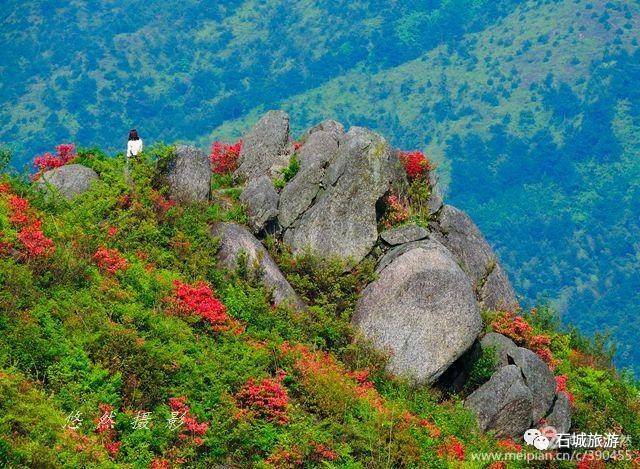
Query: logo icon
<point>541,440</point>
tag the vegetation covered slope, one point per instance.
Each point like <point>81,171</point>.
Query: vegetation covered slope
<point>530,107</point>
<point>123,345</point>
<point>535,123</point>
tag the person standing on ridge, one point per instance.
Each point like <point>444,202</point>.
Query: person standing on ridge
<point>134,148</point>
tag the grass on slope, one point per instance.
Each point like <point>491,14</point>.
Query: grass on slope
<point>117,319</point>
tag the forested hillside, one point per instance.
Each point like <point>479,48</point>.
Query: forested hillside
<point>531,108</point>
<point>87,70</point>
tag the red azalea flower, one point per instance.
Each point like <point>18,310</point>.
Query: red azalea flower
<point>224,156</point>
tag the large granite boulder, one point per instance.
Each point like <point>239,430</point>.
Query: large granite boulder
<point>503,404</point>
<point>537,377</point>
<point>560,416</point>
<point>237,244</point>
<point>463,238</point>
<point>265,148</point>
<point>422,311</point>
<point>189,175</point>
<point>261,200</point>
<point>318,149</point>
<point>404,234</point>
<point>336,129</point>
<point>342,220</point>
<point>500,344</point>
<point>298,195</point>
<point>69,180</point>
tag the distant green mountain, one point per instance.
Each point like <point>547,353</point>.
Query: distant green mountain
<point>535,123</point>
<point>88,70</point>
<point>530,108</point>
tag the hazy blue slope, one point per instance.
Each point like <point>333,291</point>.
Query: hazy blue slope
<point>87,70</point>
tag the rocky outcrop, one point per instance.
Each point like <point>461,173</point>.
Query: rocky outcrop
<point>237,244</point>
<point>462,237</point>
<point>500,344</point>
<point>536,376</point>
<point>422,311</point>
<point>318,149</point>
<point>560,416</point>
<point>265,148</point>
<point>189,175</point>
<point>404,234</point>
<point>336,129</point>
<point>299,194</point>
<point>261,200</point>
<point>423,308</point>
<point>503,404</point>
<point>342,220</point>
<point>68,181</point>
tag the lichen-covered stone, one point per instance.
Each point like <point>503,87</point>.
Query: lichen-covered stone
<point>422,311</point>
<point>265,148</point>
<point>342,221</point>
<point>189,175</point>
<point>503,404</point>
<point>261,200</point>
<point>68,181</point>
<point>237,244</point>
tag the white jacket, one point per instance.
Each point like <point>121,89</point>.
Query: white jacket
<point>134,147</point>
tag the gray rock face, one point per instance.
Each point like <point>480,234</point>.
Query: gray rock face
<point>265,147</point>
<point>463,238</point>
<point>560,416</point>
<point>504,403</point>
<point>318,149</point>
<point>422,310</point>
<point>404,234</point>
<point>68,181</point>
<point>336,129</point>
<point>261,200</point>
<point>235,241</point>
<point>537,377</point>
<point>342,221</point>
<point>298,195</point>
<point>496,292</point>
<point>501,344</point>
<point>399,250</point>
<point>189,175</point>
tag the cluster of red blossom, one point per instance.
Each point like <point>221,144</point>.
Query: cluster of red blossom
<point>267,399</point>
<point>191,433</point>
<point>521,332</point>
<point>295,456</point>
<point>33,243</point>
<point>452,448</point>
<point>415,164</point>
<point>224,156</point>
<point>561,386</point>
<point>105,427</point>
<point>198,300</point>
<point>161,203</point>
<point>65,154</point>
<point>109,261</point>
<point>397,211</point>
<point>193,429</point>
<point>510,446</point>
